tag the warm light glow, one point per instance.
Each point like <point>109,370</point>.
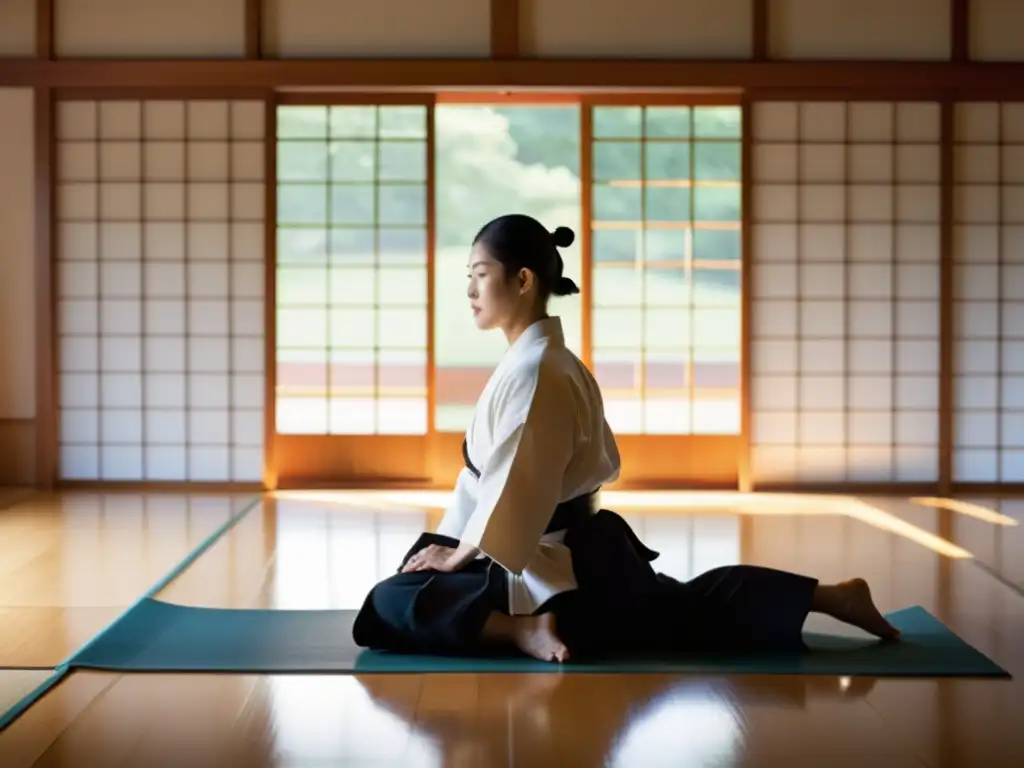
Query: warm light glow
<point>976,511</point>
<point>688,726</point>
<point>879,519</point>
<point>745,503</point>
<point>317,715</point>
<point>683,502</point>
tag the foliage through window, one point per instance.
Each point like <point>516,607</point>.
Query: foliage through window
<point>352,254</point>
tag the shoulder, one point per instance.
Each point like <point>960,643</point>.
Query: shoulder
<point>538,377</point>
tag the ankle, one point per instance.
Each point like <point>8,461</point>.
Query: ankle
<point>823,599</point>
<point>498,627</point>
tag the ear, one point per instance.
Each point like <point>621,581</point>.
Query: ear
<point>526,280</point>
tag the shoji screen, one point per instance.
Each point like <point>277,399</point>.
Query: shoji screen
<point>989,293</point>
<point>845,353</point>
<point>160,250</point>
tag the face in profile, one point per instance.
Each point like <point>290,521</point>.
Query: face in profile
<point>493,298</point>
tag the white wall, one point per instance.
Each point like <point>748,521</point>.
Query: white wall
<point>291,29</point>
<point>859,29</point>
<point>713,29</point>
<point>384,28</point>
<point>18,28</point>
<point>995,31</point>
<point>161,274</point>
<point>149,28</point>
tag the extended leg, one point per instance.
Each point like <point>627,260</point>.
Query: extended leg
<point>739,606</point>
<point>750,606</point>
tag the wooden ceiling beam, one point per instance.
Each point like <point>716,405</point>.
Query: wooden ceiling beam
<point>450,74</point>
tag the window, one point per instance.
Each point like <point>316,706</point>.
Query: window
<point>352,269</point>
<point>666,255</point>
<point>493,160</point>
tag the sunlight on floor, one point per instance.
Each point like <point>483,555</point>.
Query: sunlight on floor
<point>669,501</point>
<point>977,511</point>
<point>674,501</point>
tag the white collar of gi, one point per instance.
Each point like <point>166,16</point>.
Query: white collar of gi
<point>549,328</point>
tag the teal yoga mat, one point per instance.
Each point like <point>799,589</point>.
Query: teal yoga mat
<point>156,636</point>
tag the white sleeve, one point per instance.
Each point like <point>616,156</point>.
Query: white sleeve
<point>521,483</point>
<point>611,448</point>
<point>460,507</point>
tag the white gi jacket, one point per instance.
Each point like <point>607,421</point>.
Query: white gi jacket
<point>538,438</point>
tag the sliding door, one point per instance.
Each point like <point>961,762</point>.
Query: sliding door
<point>378,362</point>
<point>352,272</point>
<point>665,245</point>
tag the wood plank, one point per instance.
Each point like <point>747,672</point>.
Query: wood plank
<point>505,29</point>
<point>47,636</point>
<point>565,74</point>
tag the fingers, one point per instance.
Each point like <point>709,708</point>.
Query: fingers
<point>424,559</point>
<point>416,563</point>
<point>411,563</point>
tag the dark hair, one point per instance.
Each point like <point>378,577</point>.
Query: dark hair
<point>517,240</point>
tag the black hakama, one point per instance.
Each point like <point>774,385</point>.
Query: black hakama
<point>621,606</point>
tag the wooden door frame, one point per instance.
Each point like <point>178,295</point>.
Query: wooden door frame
<point>434,459</point>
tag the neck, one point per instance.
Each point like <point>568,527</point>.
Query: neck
<point>515,329</point>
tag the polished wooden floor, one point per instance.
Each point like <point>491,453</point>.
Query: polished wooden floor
<point>71,563</point>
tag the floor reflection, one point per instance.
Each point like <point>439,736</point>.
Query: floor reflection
<point>990,529</point>
<point>90,550</point>
<point>324,554</point>
<point>72,563</point>
<point>649,720</point>
<point>324,718</point>
<point>329,556</point>
<point>997,544</point>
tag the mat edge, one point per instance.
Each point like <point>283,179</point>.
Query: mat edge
<point>997,674</point>
<point>23,704</point>
<point>64,668</point>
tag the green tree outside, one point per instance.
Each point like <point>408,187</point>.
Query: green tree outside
<point>352,196</point>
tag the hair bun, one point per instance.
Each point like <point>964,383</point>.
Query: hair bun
<point>564,286</point>
<point>563,237</point>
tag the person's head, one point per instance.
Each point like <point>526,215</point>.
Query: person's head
<point>514,268</point>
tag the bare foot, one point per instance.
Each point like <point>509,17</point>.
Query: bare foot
<point>536,636</point>
<point>851,602</point>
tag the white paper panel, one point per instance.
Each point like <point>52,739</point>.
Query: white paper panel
<point>387,28</point>
<point>869,29</point>
<point>989,292</point>
<point>150,28</point>
<point>18,28</point>
<point>161,326</point>
<point>995,30</point>
<point>642,28</point>
<point>17,254</point>
<point>845,288</point>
